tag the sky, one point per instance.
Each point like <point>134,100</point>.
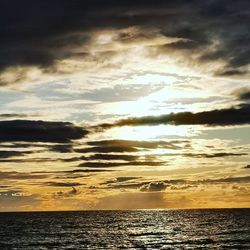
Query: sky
<point>124,104</point>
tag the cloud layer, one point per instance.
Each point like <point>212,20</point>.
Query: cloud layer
<point>39,131</point>
<point>217,117</point>
<point>43,33</point>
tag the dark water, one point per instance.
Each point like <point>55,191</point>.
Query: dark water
<point>174,229</point>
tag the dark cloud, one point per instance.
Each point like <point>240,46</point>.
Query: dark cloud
<point>42,32</point>
<point>133,145</point>
<point>42,159</point>
<point>36,37</point>
<point>4,186</point>
<point>231,72</point>
<point>40,146</point>
<point>104,150</point>
<point>8,154</point>
<point>126,178</point>
<point>120,180</point>
<point>215,155</point>
<point>184,46</point>
<point>67,173</point>
<point>106,157</point>
<point>87,171</point>
<point>236,179</point>
<point>243,94</point>
<point>23,145</point>
<point>109,157</point>
<point>13,115</point>
<point>153,187</point>
<point>39,131</point>
<point>62,184</point>
<point>218,117</point>
<point>120,164</point>
<point>62,148</point>
<point>107,149</point>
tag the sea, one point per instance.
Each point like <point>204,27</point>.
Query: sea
<point>136,229</point>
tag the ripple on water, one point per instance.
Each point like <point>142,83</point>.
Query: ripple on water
<point>171,229</point>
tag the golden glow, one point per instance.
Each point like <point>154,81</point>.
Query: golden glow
<point>150,132</point>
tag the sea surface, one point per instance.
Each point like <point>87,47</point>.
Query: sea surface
<point>137,229</point>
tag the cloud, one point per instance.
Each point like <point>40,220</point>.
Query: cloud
<point>105,157</point>
<point>13,115</point>
<point>8,154</point>
<point>62,148</point>
<point>218,117</point>
<point>107,149</point>
<point>120,164</point>
<point>182,187</point>
<point>62,184</point>
<point>13,175</point>
<point>137,183</point>
<point>42,159</point>
<point>134,144</point>
<point>109,157</point>
<point>70,193</point>
<point>39,131</point>
<point>215,155</point>
<point>4,186</point>
<point>182,45</point>
<point>121,179</point>
<point>126,178</point>
<point>202,25</point>
<point>172,184</point>
<point>37,45</point>
<point>103,153</point>
<point>243,94</point>
<point>122,92</point>
<point>126,185</point>
<point>154,187</point>
<point>236,179</point>
<point>231,72</point>
<point>87,171</point>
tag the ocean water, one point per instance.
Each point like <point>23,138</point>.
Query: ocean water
<point>140,229</point>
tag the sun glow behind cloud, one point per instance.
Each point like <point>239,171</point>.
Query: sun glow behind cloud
<point>151,132</point>
<point>97,67</point>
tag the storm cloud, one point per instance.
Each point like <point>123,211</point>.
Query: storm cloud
<point>43,32</point>
<point>39,131</point>
<point>218,117</point>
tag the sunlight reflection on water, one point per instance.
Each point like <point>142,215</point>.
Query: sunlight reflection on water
<point>139,229</point>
